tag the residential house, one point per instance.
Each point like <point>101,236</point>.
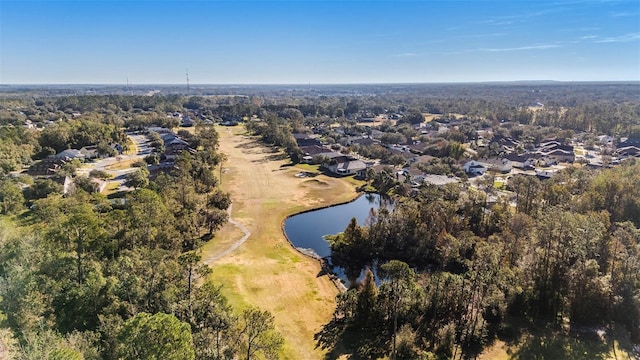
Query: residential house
<point>89,152</point>
<point>544,174</point>
<point>502,165</point>
<point>415,175</point>
<point>229,123</point>
<point>545,161</point>
<point>423,159</point>
<point>418,147</point>
<point>628,152</point>
<point>409,157</point>
<point>30,125</point>
<point>505,144</point>
<point>65,181</point>
<point>524,162</point>
<point>312,153</point>
<point>305,140</point>
<point>159,130</point>
<point>606,139</point>
<point>440,180</point>
<point>69,154</point>
<point>556,150</point>
<point>629,142</point>
<point>344,165</point>
<point>560,155</point>
<point>175,147</point>
<point>362,174</point>
<point>362,141</point>
<point>46,167</point>
<point>186,121</point>
<point>474,168</point>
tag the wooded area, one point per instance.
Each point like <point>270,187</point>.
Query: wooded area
<point>568,256</point>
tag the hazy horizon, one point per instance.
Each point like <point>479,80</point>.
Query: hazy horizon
<point>318,42</point>
<point>336,84</point>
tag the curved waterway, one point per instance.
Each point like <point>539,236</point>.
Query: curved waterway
<point>306,231</point>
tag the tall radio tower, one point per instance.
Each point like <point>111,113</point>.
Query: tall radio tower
<point>129,90</point>
<point>187,82</point>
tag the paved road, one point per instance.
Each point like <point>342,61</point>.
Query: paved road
<point>141,144</point>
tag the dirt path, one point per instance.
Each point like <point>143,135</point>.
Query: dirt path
<point>213,257</point>
<point>263,269</point>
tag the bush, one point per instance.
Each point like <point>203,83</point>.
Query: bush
<point>100,174</point>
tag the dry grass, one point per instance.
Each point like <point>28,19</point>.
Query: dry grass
<point>430,117</point>
<point>266,271</point>
<point>121,164</point>
<point>111,188</point>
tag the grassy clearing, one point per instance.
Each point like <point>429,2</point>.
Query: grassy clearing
<point>121,164</point>
<point>428,117</point>
<point>111,188</point>
<point>266,271</point>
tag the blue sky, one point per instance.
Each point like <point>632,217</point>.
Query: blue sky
<point>297,42</point>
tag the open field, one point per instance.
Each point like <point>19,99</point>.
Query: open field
<point>266,271</point>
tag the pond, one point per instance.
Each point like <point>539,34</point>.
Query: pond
<point>307,231</point>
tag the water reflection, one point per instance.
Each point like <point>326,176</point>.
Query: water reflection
<point>307,231</point>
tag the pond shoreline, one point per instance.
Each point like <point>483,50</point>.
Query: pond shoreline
<point>308,252</point>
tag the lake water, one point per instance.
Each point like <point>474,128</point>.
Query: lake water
<point>307,230</point>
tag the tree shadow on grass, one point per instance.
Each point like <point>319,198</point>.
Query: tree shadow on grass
<point>249,145</point>
<point>274,157</point>
<point>553,345</point>
<point>340,338</point>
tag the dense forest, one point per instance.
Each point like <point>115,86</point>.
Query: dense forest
<point>452,276</point>
<point>443,273</point>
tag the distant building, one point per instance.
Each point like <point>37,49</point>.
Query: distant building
<point>69,154</point>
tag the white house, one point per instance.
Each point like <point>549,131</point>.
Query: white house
<point>502,165</point>
<point>474,168</point>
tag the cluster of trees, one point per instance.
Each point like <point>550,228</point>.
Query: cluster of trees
<point>82,277</point>
<point>17,146</point>
<point>277,131</point>
<point>568,254</point>
<point>85,131</point>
